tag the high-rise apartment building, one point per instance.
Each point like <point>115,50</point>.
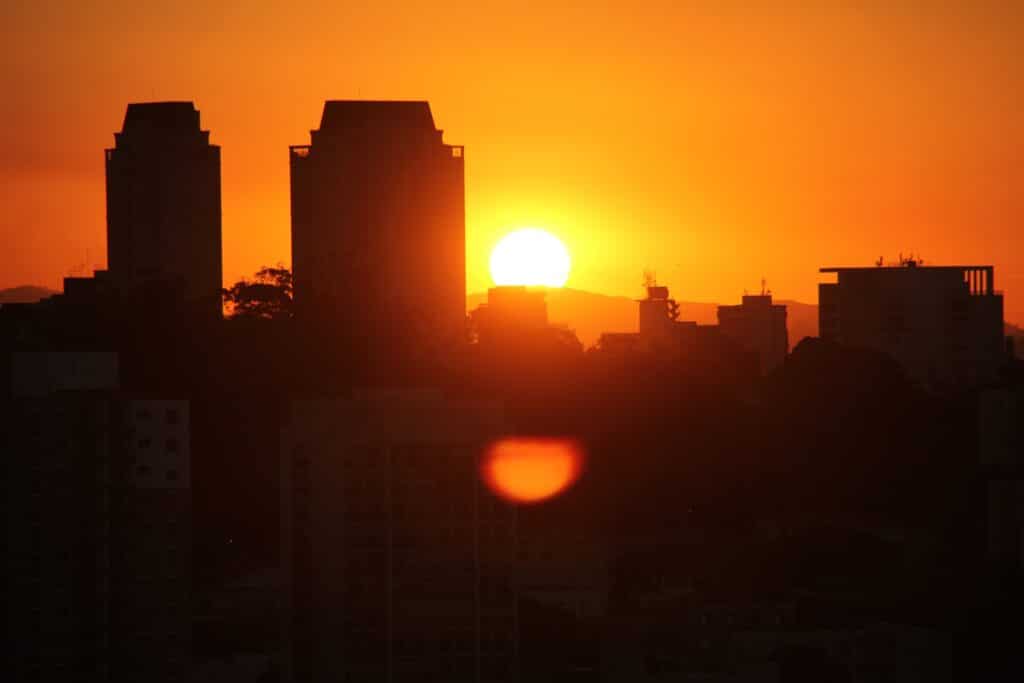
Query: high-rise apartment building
<point>378,226</point>
<point>397,559</point>
<point>98,533</point>
<point>163,203</point>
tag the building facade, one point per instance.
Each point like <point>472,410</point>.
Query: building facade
<point>396,557</point>
<point>378,226</point>
<point>944,324</point>
<point>757,325</point>
<point>99,526</point>
<point>164,203</point>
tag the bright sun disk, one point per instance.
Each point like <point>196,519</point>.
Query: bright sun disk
<point>531,257</point>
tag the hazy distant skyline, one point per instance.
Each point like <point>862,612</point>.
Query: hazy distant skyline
<point>714,146</point>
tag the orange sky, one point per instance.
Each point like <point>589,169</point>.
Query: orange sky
<point>711,145</point>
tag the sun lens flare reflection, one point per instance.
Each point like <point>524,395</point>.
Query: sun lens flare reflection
<point>531,470</point>
<point>530,257</point>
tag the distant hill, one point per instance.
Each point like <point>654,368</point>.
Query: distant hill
<point>26,294</point>
<point>591,314</point>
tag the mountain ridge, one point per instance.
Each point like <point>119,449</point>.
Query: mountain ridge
<point>24,294</point>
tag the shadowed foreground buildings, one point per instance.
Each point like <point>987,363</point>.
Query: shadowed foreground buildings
<point>99,525</point>
<point>378,226</point>
<point>396,558</point>
<point>944,324</point>
<point>163,202</point>
<point>706,348</point>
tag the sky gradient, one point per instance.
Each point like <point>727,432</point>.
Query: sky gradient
<point>713,146</point>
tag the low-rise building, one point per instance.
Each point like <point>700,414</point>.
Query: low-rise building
<point>944,324</point>
<point>757,325</point>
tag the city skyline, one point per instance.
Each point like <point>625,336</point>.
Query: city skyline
<point>753,166</point>
<point>403,364</point>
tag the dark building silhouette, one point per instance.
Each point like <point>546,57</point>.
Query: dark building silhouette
<point>396,559</point>
<point>99,539</point>
<point>757,325</point>
<point>944,324</point>
<point>163,202</point>
<point>378,225</point>
<point>512,330</point>
<point>511,314</point>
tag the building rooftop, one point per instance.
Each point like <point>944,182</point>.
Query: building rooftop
<point>341,114</point>
<point>900,267</point>
<point>181,116</point>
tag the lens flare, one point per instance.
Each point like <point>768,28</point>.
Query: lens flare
<point>530,470</point>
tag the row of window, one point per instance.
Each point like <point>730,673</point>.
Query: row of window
<point>170,444</point>
<point>171,415</point>
<point>146,471</point>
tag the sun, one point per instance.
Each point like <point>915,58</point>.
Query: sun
<point>532,257</point>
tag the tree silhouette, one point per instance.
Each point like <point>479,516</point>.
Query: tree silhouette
<point>268,296</point>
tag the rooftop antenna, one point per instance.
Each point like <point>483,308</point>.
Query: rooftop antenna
<point>764,286</point>
<point>880,261</point>
<point>649,279</point>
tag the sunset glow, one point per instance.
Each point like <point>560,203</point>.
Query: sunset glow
<point>526,470</point>
<point>531,257</point>
<point>768,139</point>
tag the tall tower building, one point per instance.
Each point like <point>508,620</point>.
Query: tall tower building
<point>378,225</point>
<point>163,202</point>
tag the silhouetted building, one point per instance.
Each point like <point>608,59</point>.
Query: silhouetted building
<point>660,329</point>
<point>163,202</point>
<point>38,374</point>
<point>396,559</point>
<point>513,325</point>
<point>662,337</point>
<point>757,325</point>
<point>1001,461</point>
<point>99,525</point>
<point>944,324</point>
<point>378,226</point>
<point>658,317</point>
<point>510,314</point>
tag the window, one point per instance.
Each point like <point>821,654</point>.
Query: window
<point>142,470</point>
<point>145,443</point>
<point>143,414</point>
<point>172,416</point>
<point>172,475</point>
<point>172,445</point>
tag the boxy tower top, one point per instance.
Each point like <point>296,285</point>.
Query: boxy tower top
<point>163,203</point>
<point>385,114</point>
<point>378,228</point>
